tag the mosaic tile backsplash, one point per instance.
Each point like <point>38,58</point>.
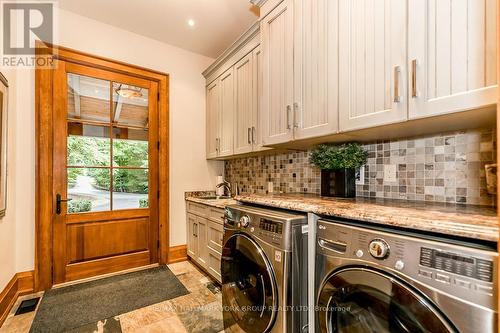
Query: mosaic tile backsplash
<point>445,167</point>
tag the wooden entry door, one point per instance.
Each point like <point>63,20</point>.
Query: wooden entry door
<point>105,172</point>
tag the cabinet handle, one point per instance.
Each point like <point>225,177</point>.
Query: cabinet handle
<point>414,78</point>
<point>249,134</point>
<point>295,115</point>
<point>253,134</point>
<point>397,72</point>
<point>288,116</point>
<point>216,145</point>
<point>195,226</point>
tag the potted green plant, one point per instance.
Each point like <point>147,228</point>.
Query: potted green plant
<point>338,166</point>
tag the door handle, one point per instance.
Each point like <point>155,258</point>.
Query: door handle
<point>397,72</point>
<point>295,115</point>
<point>414,78</point>
<point>288,116</point>
<point>59,200</point>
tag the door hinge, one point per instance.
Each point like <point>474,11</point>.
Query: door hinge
<point>158,194</point>
<point>158,145</point>
<point>158,96</point>
<point>158,243</point>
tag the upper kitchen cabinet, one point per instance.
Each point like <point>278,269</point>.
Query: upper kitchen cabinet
<point>300,70</point>
<point>248,92</point>
<point>244,99</point>
<point>212,116</point>
<point>372,63</point>
<point>257,105</point>
<point>315,105</point>
<point>233,99</point>
<point>226,113</point>
<point>277,74</point>
<point>452,55</point>
<point>220,107</point>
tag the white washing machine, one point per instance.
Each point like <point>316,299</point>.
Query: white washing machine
<point>371,279</point>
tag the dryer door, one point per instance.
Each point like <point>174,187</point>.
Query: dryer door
<point>366,300</point>
<point>249,294</point>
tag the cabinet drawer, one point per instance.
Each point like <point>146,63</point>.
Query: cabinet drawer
<point>216,215</point>
<point>214,260</point>
<point>215,234</point>
<point>197,209</point>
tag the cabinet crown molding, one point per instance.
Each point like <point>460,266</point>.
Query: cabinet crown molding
<point>225,57</point>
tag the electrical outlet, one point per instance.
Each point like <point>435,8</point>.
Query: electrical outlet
<point>360,176</point>
<point>270,187</point>
<point>390,174</point>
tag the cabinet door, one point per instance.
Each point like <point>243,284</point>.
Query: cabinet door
<point>277,63</point>
<point>372,63</point>
<point>192,241</point>
<point>215,235</point>
<point>227,107</point>
<point>213,103</point>
<point>214,261</point>
<point>316,68</point>
<point>452,55</point>
<point>257,109</point>
<point>201,234</point>
<point>243,94</point>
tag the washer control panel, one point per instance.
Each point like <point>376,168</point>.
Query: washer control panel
<point>459,269</point>
<point>456,263</point>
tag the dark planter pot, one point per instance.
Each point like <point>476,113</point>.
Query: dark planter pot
<point>338,183</point>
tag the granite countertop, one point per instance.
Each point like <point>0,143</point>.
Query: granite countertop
<point>476,222</point>
<point>197,196</point>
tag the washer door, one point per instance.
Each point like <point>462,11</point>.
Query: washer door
<point>367,300</point>
<point>249,293</point>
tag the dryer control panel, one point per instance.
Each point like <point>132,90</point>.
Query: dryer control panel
<point>271,226</point>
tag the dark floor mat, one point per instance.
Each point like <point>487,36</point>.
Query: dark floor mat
<point>70,307</point>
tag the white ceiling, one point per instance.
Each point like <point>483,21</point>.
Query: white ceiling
<point>217,22</point>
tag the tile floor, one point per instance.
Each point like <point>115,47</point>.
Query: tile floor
<point>198,311</point>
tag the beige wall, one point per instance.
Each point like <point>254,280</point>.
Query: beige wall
<point>7,225</point>
<point>188,169</point>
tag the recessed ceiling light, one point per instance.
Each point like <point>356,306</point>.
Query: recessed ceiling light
<point>191,22</point>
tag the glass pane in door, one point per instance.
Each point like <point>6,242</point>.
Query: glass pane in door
<point>130,106</point>
<point>130,147</point>
<point>88,98</point>
<point>88,145</point>
<point>88,189</point>
<point>130,188</point>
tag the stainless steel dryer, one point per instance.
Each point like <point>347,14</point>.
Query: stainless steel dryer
<point>383,280</point>
<point>264,270</point>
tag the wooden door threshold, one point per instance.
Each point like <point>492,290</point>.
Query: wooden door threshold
<point>103,276</point>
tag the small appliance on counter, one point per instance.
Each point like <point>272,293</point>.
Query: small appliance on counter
<point>378,279</point>
<point>264,270</point>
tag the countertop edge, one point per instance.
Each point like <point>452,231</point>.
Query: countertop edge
<point>471,231</point>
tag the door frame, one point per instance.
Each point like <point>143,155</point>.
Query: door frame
<point>44,145</point>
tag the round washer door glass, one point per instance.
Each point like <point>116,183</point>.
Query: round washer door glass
<point>248,286</point>
<point>365,300</point>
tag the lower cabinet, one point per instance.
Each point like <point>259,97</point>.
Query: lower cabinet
<point>204,239</point>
